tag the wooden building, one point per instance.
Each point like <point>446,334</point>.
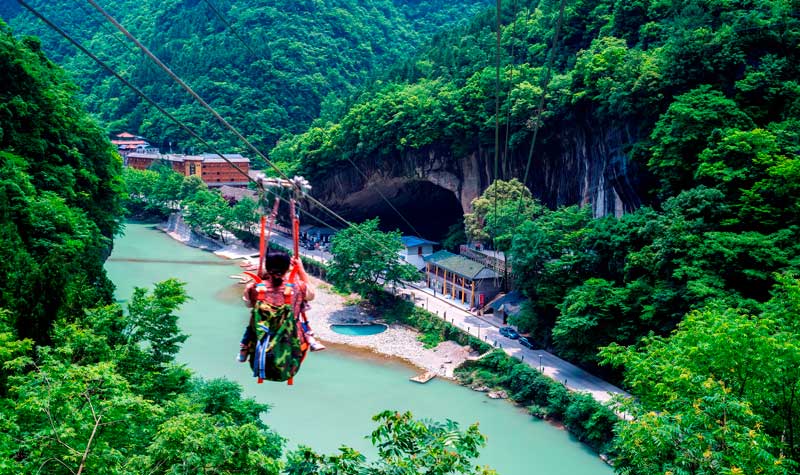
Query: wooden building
<point>211,168</point>
<point>461,279</point>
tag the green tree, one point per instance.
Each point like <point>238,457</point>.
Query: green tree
<point>152,321</point>
<point>681,134</point>
<point>60,193</point>
<point>366,259</point>
<point>716,432</point>
<point>244,215</point>
<point>719,361</point>
<point>207,212</point>
<point>405,446</point>
<point>591,316</point>
<point>497,213</point>
<point>550,256</point>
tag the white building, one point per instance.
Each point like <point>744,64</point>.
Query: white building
<point>415,250</point>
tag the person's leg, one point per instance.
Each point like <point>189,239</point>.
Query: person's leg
<point>309,336</point>
<point>248,337</point>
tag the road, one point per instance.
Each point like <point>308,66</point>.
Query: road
<point>485,328</point>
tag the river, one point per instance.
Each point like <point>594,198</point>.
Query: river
<point>337,392</point>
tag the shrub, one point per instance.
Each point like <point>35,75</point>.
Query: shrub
<point>588,420</point>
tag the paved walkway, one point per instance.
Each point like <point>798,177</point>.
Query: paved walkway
<point>487,328</point>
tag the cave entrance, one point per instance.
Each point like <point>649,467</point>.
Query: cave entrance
<point>429,208</point>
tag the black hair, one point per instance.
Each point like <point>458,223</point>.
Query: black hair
<point>276,261</point>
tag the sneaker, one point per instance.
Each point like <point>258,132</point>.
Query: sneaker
<point>314,344</point>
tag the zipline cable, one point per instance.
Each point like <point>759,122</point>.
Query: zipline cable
<point>183,84</point>
<point>515,9</point>
<point>105,27</point>
<point>208,107</point>
<point>152,102</point>
<point>135,89</point>
<point>498,9</point>
<point>325,208</point>
<point>536,125</point>
<point>497,92</point>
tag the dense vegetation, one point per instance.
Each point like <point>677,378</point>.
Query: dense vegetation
<point>707,94</point>
<point>694,295</point>
<point>618,64</point>
<point>588,420</point>
<point>88,386</point>
<point>294,61</point>
<point>59,194</point>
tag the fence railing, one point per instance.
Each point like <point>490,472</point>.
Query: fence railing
<point>493,263</point>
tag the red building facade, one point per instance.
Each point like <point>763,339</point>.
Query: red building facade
<point>211,168</point>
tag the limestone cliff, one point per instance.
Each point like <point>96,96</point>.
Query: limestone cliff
<point>579,162</point>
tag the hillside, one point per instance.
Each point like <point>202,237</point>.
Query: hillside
<point>660,245</point>
<point>296,60</point>
<point>607,139</point>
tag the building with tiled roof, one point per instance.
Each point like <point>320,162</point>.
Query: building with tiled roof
<point>127,143</point>
<point>211,168</point>
<point>236,194</point>
<point>460,278</point>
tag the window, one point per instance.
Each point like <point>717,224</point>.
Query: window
<point>192,169</point>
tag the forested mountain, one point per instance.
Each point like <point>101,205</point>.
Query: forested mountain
<point>608,137</point>
<point>59,193</point>
<point>678,121</point>
<point>296,59</point>
<point>697,103</point>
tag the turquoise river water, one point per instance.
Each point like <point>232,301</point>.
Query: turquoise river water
<point>337,392</point>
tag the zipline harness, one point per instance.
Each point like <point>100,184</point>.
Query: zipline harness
<point>281,342</point>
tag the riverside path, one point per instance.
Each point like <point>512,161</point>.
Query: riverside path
<point>571,376</point>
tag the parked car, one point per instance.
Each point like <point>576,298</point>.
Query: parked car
<point>509,332</point>
<point>524,341</point>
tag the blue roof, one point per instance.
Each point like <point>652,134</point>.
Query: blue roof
<point>411,241</point>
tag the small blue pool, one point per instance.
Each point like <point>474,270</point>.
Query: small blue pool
<point>359,330</point>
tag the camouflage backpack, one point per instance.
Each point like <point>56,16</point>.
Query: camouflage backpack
<point>280,344</point>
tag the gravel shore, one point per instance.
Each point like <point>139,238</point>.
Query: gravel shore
<point>398,341</point>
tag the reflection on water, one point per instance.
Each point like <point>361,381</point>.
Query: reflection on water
<point>337,392</point>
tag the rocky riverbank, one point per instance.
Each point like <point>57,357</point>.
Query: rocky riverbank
<point>398,340</point>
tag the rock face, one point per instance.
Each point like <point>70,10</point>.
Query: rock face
<point>581,163</point>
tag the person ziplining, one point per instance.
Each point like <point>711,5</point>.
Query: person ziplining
<point>278,336</point>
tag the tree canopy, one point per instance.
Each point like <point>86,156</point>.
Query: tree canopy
<point>365,259</point>
<point>269,67</point>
